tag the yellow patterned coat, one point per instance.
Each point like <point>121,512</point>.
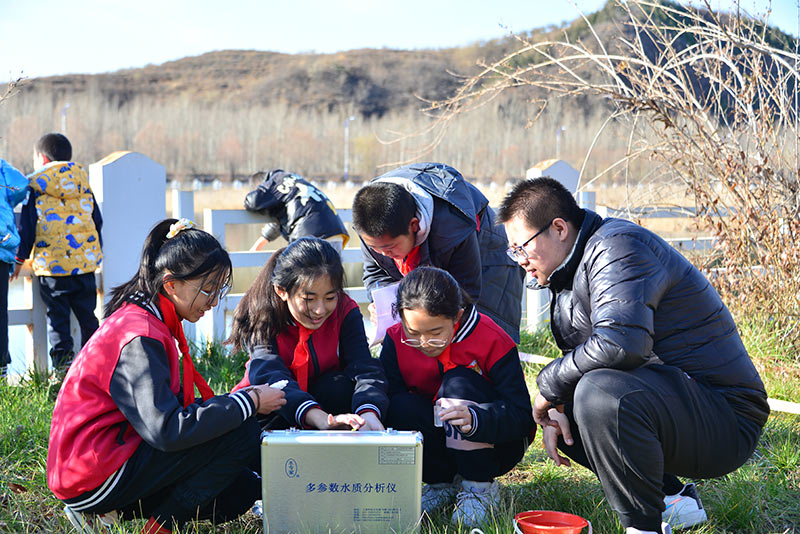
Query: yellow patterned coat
<point>66,238</point>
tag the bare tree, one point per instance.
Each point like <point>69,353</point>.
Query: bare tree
<point>709,100</point>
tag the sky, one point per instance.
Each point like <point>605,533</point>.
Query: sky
<point>47,37</point>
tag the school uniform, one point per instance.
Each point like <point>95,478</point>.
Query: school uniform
<point>127,433</point>
<point>480,366</point>
<point>329,368</point>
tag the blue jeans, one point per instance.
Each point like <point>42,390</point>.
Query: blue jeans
<point>62,294</point>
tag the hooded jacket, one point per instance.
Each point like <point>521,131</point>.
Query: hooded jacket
<point>14,188</point>
<point>301,209</point>
<point>457,234</point>
<point>624,298</point>
<point>66,239</point>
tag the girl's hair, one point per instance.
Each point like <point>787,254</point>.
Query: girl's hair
<point>189,255</point>
<point>261,314</point>
<point>432,290</point>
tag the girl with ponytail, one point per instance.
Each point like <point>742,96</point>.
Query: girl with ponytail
<point>128,437</point>
<point>300,326</point>
<point>455,376</point>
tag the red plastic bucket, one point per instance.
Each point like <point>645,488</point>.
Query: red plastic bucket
<point>549,522</point>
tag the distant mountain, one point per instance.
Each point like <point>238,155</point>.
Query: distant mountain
<point>228,113</point>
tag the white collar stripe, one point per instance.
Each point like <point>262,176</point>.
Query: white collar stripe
<point>468,325</point>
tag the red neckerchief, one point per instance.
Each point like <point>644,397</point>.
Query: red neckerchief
<point>191,377</point>
<point>444,357</point>
<point>410,262</point>
<point>301,357</point>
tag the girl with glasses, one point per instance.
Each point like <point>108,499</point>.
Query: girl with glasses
<point>455,376</point>
<point>300,327</point>
<point>128,436</point>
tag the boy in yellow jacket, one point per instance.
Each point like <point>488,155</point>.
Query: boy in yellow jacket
<point>60,228</point>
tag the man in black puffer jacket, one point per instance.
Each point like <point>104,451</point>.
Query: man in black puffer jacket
<point>654,380</point>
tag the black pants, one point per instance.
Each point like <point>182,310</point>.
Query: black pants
<point>214,480</point>
<point>5,359</point>
<point>62,294</point>
<point>410,411</point>
<point>332,390</point>
<point>632,427</point>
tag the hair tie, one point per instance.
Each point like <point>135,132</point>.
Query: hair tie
<point>182,224</point>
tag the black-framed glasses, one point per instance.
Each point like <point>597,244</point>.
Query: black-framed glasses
<point>517,252</point>
<point>220,293</point>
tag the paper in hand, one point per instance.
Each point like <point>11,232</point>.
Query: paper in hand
<point>280,384</point>
<point>383,298</point>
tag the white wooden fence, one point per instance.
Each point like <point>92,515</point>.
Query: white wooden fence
<point>130,189</point>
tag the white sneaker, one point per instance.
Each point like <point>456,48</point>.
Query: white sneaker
<point>434,496</point>
<point>258,508</point>
<point>475,502</point>
<point>665,529</point>
<point>91,523</point>
<point>684,509</point>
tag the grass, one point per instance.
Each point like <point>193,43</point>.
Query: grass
<point>761,497</point>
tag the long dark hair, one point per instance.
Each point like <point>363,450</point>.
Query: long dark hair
<point>430,289</point>
<point>261,314</point>
<point>190,254</point>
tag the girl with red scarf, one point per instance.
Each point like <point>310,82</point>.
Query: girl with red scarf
<point>455,376</point>
<point>128,437</point>
<point>300,327</point>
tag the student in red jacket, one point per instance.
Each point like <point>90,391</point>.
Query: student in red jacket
<point>455,376</point>
<point>301,328</point>
<point>128,436</point>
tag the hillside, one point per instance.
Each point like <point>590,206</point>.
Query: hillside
<point>229,113</point>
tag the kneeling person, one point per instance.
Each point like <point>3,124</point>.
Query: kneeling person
<point>455,376</point>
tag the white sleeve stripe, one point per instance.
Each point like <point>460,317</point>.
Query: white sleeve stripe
<point>298,415</point>
<point>474,422</point>
<point>244,404</point>
<point>369,407</point>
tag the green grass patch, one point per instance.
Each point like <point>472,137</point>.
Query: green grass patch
<point>761,497</point>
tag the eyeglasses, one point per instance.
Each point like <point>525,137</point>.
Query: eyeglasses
<point>416,343</point>
<point>517,252</point>
<point>212,295</point>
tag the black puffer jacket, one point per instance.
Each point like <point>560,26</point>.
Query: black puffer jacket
<point>625,298</point>
<point>475,255</point>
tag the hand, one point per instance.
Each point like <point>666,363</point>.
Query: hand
<point>15,274</point>
<point>458,416</point>
<point>345,421</point>
<point>541,407</point>
<point>266,399</point>
<point>550,437</point>
<point>373,315</point>
<point>371,422</point>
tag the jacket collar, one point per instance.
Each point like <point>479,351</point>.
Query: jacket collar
<point>561,278</point>
<point>469,320</point>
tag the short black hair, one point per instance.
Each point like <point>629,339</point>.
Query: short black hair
<point>382,208</point>
<point>539,201</point>
<point>55,146</point>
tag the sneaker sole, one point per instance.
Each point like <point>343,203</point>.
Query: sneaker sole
<point>688,519</point>
<point>77,521</point>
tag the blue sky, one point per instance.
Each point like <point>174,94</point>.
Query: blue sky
<point>44,37</point>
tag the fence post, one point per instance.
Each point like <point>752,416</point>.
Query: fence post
<point>183,204</point>
<point>130,189</point>
<point>213,322</point>
<point>36,355</point>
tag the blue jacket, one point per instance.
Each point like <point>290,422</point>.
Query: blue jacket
<point>14,185</point>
